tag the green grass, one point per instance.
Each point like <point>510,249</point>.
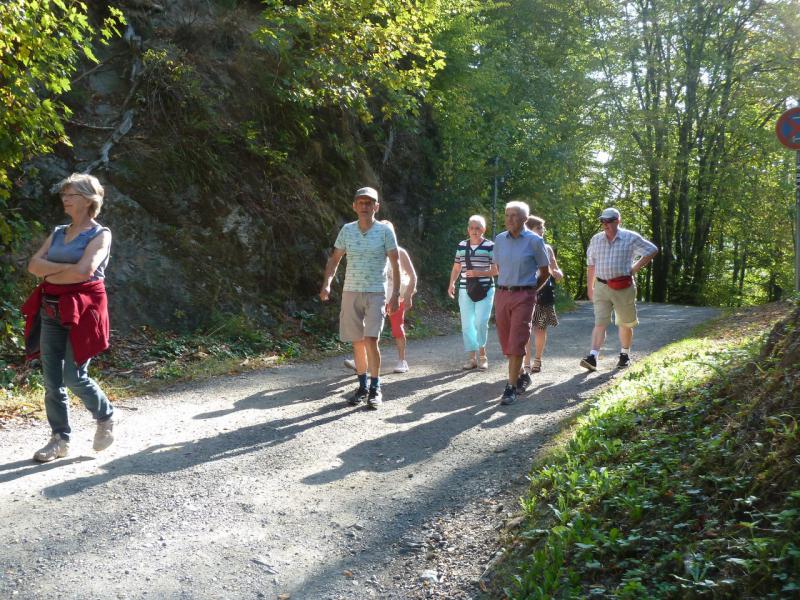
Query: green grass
<point>680,481</point>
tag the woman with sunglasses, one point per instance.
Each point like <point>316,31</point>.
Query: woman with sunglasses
<point>67,316</point>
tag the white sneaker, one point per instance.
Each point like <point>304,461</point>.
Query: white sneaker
<point>57,447</point>
<point>350,363</point>
<point>104,434</point>
<point>401,367</point>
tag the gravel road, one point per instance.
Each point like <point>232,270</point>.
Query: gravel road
<point>268,485</point>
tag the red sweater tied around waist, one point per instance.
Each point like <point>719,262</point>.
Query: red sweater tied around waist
<point>82,308</point>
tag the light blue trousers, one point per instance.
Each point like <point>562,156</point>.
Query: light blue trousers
<point>475,319</point>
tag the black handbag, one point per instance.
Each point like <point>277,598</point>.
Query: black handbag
<point>477,290</point>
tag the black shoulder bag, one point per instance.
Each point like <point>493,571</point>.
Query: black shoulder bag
<point>476,289</point>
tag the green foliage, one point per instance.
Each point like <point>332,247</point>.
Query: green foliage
<point>41,46</point>
<point>170,87</point>
<point>689,93</point>
<point>348,53</point>
<point>676,484</point>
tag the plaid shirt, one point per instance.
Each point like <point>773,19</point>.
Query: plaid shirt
<point>615,258</point>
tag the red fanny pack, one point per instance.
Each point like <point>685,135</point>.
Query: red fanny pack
<point>620,283</point>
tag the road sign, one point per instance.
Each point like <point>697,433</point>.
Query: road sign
<point>788,131</point>
<point>788,128</point>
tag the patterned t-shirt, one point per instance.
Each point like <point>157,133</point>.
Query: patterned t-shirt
<point>366,255</point>
<point>480,258</point>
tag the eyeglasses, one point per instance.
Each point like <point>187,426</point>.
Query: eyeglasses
<point>608,220</point>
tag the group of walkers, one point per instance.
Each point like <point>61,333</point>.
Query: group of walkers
<point>66,316</point>
<point>526,269</point>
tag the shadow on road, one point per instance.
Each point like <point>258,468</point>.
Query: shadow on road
<point>168,458</point>
<point>21,468</point>
<point>461,409</point>
<point>310,392</point>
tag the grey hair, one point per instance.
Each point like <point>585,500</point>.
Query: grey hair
<point>520,206</point>
<point>87,186</point>
<point>477,219</point>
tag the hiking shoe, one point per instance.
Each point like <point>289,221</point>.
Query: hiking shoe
<point>470,364</point>
<point>624,361</point>
<point>590,362</point>
<point>350,363</point>
<point>483,363</point>
<point>57,447</point>
<point>358,396</point>
<point>523,382</point>
<point>536,367</point>
<point>509,395</point>
<point>104,434</point>
<point>375,398</point>
<point>401,367</point>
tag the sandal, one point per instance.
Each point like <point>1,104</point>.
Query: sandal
<point>536,367</point>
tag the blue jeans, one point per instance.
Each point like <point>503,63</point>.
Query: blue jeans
<point>58,369</point>
<point>475,319</point>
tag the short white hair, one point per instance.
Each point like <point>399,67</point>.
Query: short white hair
<point>477,219</point>
<point>520,206</point>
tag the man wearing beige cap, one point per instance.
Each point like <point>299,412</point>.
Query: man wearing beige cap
<point>611,284</point>
<point>366,242</point>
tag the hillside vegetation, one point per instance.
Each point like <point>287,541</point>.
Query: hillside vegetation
<point>682,479</point>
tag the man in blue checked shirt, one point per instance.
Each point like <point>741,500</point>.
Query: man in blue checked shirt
<point>611,284</point>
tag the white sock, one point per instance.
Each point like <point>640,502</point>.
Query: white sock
<point>595,353</point>
<point>625,351</point>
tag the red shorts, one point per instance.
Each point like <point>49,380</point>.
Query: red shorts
<point>397,319</point>
<point>513,312</point>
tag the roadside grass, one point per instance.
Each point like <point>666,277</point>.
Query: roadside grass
<point>148,360</point>
<point>681,481</point>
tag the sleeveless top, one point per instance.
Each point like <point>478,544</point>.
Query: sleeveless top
<point>61,252</point>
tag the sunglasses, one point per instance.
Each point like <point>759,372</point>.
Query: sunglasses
<point>608,220</point>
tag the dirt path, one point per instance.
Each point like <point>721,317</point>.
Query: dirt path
<point>269,483</point>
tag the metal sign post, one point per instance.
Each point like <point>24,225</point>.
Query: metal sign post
<point>788,131</point>
<point>797,223</point>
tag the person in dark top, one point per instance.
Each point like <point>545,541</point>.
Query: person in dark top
<point>67,316</point>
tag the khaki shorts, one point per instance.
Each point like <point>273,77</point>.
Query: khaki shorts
<point>361,315</point>
<point>622,302</point>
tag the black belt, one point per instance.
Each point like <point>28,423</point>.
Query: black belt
<point>516,288</point>
<point>601,280</point>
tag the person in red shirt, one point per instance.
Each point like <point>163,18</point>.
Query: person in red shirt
<point>67,316</point>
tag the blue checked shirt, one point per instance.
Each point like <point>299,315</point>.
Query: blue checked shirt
<point>615,258</point>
